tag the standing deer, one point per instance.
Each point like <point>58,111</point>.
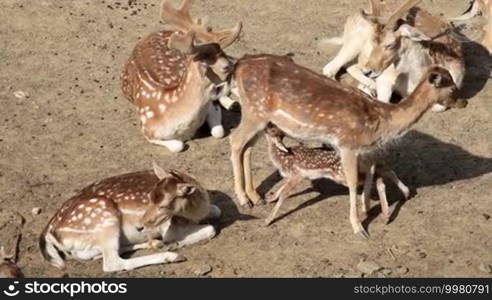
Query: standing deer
<point>173,81</point>
<point>478,7</point>
<point>299,162</point>
<point>126,213</point>
<point>308,106</point>
<point>394,53</point>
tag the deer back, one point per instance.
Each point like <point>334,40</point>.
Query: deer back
<point>163,83</point>
<point>302,103</point>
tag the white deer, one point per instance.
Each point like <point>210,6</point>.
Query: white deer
<point>392,54</point>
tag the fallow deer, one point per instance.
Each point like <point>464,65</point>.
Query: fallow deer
<point>394,53</point>
<point>478,7</point>
<point>309,106</point>
<point>173,81</point>
<point>299,162</point>
<point>126,213</point>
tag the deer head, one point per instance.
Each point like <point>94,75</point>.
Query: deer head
<point>175,195</point>
<point>446,90</point>
<point>275,137</point>
<point>216,65</point>
<point>383,46</point>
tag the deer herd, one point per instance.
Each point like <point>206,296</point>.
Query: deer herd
<point>179,78</point>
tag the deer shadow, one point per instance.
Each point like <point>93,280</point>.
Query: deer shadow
<point>477,69</point>
<point>419,159</point>
<point>230,212</point>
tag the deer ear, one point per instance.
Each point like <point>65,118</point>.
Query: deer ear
<point>184,189</point>
<point>435,79</point>
<point>412,33</point>
<point>160,172</point>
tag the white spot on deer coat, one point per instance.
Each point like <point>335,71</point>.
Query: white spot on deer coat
<point>149,114</point>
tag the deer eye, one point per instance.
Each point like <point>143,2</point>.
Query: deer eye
<point>391,46</point>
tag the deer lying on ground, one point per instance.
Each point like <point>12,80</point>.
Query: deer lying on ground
<point>394,53</point>
<point>300,162</point>
<point>126,213</point>
<point>478,7</point>
<point>173,81</point>
<point>8,263</point>
<point>308,106</point>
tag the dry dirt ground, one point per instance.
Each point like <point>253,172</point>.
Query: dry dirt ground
<point>75,128</point>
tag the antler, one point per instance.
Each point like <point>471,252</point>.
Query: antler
<point>401,11</point>
<point>375,8</point>
<point>182,20</point>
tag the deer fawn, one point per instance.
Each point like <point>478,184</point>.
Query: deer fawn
<point>478,7</point>
<point>394,53</point>
<point>308,106</point>
<point>126,213</point>
<point>173,81</point>
<point>299,162</point>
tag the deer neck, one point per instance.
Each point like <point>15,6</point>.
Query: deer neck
<point>196,84</point>
<point>410,110</point>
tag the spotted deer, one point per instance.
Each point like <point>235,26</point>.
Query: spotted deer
<point>478,7</point>
<point>391,54</point>
<point>126,213</point>
<point>174,82</point>
<point>300,162</point>
<point>309,106</point>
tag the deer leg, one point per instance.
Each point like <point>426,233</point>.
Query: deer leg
<point>348,53</point>
<point>113,262</point>
<point>173,145</point>
<point>274,196</point>
<point>366,192</point>
<point>381,187</point>
<point>283,193</point>
<point>391,175</point>
<point>385,84</point>
<point>248,176</point>
<point>214,121</point>
<point>239,139</point>
<point>349,165</point>
<point>227,102</point>
<point>152,244</point>
<point>356,72</point>
<point>188,234</point>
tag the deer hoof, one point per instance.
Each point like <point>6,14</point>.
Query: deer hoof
<point>439,108</point>
<point>175,146</point>
<point>268,221</point>
<point>363,234</point>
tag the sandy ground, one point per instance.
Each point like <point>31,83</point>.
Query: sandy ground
<point>75,128</point>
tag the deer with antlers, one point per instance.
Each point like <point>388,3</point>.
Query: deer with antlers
<point>309,106</point>
<point>299,162</point>
<point>174,82</point>
<point>392,54</point>
<point>476,8</point>
<point>126,213</point>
